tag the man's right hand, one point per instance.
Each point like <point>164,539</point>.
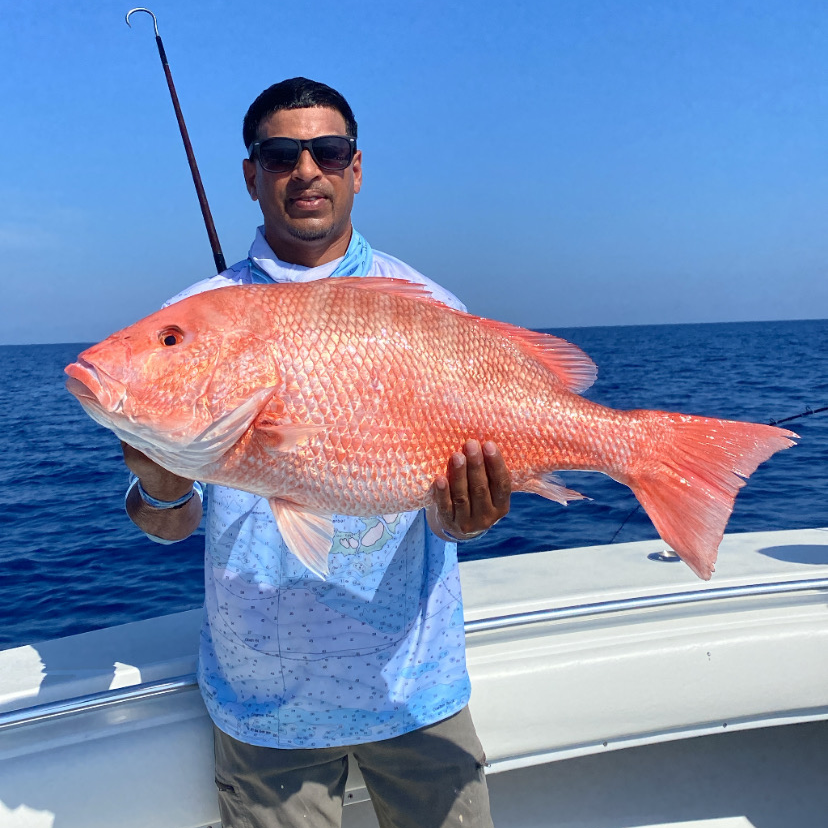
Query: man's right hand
<point>170,524</point>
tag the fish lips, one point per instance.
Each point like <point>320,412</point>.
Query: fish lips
<point>93,388</point>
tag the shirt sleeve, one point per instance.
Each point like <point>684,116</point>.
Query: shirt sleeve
<point>234,275</point>
<point>391,268</point>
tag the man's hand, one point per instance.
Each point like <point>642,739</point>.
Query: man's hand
<point>156,480</point>
<point>473,495</point>
<point>172,524</point>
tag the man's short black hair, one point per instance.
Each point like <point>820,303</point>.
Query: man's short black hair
<point>295,93</point>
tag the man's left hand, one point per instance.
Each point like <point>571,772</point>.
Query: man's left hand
<point>473,495</point>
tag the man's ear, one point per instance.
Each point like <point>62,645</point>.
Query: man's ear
<point>249,169</point>
<point>357,162</point>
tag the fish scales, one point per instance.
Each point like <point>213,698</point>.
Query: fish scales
<point>343,377</point>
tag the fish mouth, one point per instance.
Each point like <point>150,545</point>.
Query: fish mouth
<point>93,387</point>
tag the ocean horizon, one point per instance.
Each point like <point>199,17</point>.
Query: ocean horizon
<point>82,344</point>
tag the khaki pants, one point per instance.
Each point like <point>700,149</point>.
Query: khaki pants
<point>429,778</point>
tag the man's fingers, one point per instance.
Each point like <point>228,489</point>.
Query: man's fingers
<point>499,479</point>
<point>474,493</point>
<point>458,490</point>
<point>477,481</point>
<point>442,502</point>
<point>136,461</point>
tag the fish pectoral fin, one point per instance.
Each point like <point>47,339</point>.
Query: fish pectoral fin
<point>308,535</point>
<point>551,487</point>
<point>276,437</point>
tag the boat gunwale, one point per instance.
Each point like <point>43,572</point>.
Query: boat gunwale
<point>35,714</point>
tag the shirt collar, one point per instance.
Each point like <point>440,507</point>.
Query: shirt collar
<point>262,256</point>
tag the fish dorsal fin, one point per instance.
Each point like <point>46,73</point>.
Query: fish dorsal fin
<point>566,361</point>
<point>393,287</point>
<point>307,534</point>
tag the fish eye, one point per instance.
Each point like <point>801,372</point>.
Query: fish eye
<point>171,336</point>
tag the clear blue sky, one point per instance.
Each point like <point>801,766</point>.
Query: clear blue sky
<point>553,163</point>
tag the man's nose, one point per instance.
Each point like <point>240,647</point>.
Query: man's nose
<point>306,167</point>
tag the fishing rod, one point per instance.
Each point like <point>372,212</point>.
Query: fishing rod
<point>806,413</point>
<point>218,256</point>
<point>808,410</point>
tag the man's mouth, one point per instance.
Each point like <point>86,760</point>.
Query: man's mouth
<point>308,201</point>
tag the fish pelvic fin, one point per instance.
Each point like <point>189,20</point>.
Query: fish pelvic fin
<point>307,534</point>
<point>552,488</point>
<point>689,485</point>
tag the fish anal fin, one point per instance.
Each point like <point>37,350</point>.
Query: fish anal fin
<point>307,534</point>
<point>552,488</point>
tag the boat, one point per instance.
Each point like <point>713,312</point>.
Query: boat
<point>611,689</point>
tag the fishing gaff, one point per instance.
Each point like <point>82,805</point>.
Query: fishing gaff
<point>218,256</point>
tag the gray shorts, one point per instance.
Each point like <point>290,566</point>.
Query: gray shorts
<point>429,778</point>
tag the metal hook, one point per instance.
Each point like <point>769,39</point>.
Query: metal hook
<point>154,21</point>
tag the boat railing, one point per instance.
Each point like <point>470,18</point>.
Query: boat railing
<point>643,602</point>
<point>153,689</point>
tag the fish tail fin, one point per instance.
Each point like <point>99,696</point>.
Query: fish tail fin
<point>689,480</point>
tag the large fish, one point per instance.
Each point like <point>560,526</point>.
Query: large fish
<point>348,395</point>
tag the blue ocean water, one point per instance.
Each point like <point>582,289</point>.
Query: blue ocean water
<point>71,561</point>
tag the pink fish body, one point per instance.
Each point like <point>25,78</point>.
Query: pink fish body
<point>348,395</point>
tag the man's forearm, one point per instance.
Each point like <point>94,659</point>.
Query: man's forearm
<point>170,524</point>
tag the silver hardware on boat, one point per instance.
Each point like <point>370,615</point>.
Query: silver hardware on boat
<point>138,692</point>
<point>97,701</point>
<point>666,555</point>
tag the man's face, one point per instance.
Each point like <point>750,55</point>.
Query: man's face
<point>307,210</point>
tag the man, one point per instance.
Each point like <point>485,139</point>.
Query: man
<point>296,671</point>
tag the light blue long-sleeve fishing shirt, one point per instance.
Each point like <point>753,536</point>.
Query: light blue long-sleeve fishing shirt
<point>376,649</point>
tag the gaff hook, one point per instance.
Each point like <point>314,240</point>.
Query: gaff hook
<point>218,256</point>
<point>154,21</point>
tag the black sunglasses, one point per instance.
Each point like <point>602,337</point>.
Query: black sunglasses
<point>278,155</point>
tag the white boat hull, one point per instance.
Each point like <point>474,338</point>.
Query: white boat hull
<point>613,692</point>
